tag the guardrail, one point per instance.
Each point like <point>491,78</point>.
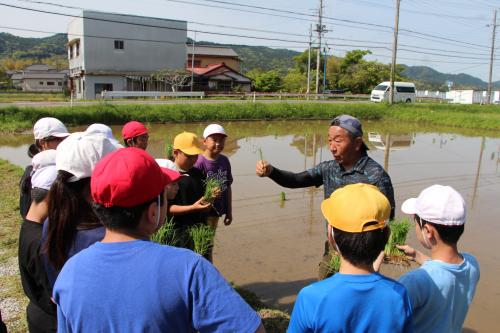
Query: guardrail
<point>154,94</point>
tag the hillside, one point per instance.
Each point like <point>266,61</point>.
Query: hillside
<point>260,57</point>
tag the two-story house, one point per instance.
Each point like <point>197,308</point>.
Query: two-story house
<point>118,52</point>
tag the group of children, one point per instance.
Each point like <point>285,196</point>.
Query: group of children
<point>92,205</point>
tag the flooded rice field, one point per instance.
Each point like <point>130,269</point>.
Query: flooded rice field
<point>273,247</point>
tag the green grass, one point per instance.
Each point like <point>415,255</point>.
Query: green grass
<point>399,231</point>
<point>10,286</point>
<point>334,263</point>
<point>10,97</point>
<point>482,117</point>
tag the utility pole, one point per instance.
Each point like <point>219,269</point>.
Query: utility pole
<point>320,29</point>
<point>192,63</point>
<point>325,50</point>
<point>394,52</point>
<point>492,55</point>
<point>309,62</point>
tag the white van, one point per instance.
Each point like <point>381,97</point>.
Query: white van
<point>405,92</point>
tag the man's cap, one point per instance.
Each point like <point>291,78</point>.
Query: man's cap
<point>47,127</point>
<point>437,204</point>
<point>188,143</point>
<point>129,177</point>
<point>357,208</point>
<point>80,152</point>
<point>350,124</point>
<point>104,130</point>
<point>132,129</point>
<point>44,169</point>
<point>213,129</point>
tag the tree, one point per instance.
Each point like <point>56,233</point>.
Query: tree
<point>175,78</point>
<point>265,81</point>
<point>302,59</point>
<point>295,81</point>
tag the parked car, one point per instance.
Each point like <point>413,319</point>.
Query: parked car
<point>333,91</point>
<point>404,92</point>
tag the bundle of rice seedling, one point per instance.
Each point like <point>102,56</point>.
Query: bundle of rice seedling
<point>169,151</point>
<point>203,238</point>
<point>399,231</point>
<point>212,185</point>
<point>165,235</point>
<point>334,263</point>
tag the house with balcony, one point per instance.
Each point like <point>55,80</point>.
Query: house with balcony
<point>205,55</point>
<point>118,52</point>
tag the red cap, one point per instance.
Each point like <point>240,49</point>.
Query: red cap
<point>129,177</point>
<point>132,129</point>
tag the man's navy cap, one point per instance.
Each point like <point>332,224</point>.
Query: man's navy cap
<point>350,124</point>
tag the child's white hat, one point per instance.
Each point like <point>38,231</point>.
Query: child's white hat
<point>437,204</point>
<point>213,129</point>
<point>44,169</point>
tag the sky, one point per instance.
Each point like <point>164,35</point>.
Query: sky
<point>451,36</point>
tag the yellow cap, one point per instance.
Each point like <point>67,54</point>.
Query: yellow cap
<point>187,143</point>
<point>356,208</point>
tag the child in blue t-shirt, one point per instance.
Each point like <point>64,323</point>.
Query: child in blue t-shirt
<point>356,299</point>
<point>441,290</point>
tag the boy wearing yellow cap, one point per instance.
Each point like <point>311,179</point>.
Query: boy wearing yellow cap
<point>356,299</point>
<point>188,208</point>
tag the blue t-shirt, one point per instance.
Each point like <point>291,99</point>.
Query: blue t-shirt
<point>141,286</point>
<point>352,303</point>
<point>441,293</point>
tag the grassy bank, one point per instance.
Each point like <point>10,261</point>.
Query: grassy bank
<point>9,97</point>
<point>12,300</point>
<point>13,118</point>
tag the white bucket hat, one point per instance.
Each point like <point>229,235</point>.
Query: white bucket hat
<point>80,152</point>
<point>46,127</point>
<point>437,204</point>
<point>44,169</point>
<point>104,130</point>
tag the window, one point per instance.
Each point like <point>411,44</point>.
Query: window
<point>77,49</point>
<point>50,83</point>
<point>40,83</point>
<point>405,89</point>
<point>70,49</point>
<point>59,84</point>
<point>118,45</point>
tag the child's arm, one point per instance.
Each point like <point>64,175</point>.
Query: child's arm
<point>413,254</point>
<point>198,206</point>
<point>229,214</point>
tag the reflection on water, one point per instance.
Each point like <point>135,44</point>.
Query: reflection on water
<point>273,247</point>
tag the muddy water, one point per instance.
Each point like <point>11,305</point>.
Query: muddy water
<point>273,247</point>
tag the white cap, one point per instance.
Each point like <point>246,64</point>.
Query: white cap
<point>49,126</point>
<point>213,129</point>
<point>44,169</point>
<point>80,152</point>
<point>437,204</point>
<point>104,130</point>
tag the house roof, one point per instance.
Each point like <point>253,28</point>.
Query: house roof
<point>209,50</point>
<point>30,75</point>
<point>38,67</point>
<point>215,70</point>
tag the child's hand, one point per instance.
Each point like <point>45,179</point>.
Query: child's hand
<point>228,219</point>
<point>201,205</point>
<point>413,254</point>
<point>263,168</point>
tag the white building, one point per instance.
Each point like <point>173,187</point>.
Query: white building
<point>117,52</point>
<point>472,97</point>
<point>39,78</point>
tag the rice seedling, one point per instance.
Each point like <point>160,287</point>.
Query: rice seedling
<point>169,151</point>
<point>334,263</point>
<point>166,234</point>
<point>399,231</point>
<point>203,238</point>
<point>260,154</point>
<point>212,187</point>
<point>283,196</point>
